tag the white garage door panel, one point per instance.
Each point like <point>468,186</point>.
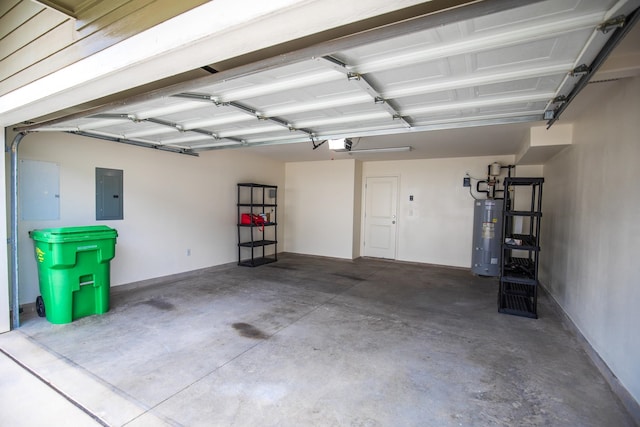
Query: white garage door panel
<point>499,67</point>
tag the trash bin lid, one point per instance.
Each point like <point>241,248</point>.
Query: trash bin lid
<point>73,234</point>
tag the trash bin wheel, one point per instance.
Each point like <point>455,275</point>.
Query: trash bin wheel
<point>40,306</point>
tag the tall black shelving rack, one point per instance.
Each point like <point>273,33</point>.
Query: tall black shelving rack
<point>518,293</point>
<point>253,239</point>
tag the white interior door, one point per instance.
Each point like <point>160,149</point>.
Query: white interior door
<point>380,219</point>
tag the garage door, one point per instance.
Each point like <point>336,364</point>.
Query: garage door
<point>471,66</point>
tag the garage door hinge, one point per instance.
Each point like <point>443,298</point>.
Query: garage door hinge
<point>560,98</point>
<point>580,71</point>
<point>613,23</point>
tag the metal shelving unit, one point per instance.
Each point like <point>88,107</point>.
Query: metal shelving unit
<point>518,293</point>
<point>254,239</point>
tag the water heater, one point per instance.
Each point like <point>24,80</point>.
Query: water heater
<point>487,237</point>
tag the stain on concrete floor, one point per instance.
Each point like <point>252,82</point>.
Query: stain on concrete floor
<point>249,331</point>
<point>160,304</point>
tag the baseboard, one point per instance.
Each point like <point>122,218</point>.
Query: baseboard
<point>172,277</point>
<point>284,255</point>
<point>28,307</point>
<point>367,258</point>
<point>631,405</point>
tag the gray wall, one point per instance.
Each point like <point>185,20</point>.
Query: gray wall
<point>591,227</point>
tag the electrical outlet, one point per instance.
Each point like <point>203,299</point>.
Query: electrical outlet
<point>466,181</point>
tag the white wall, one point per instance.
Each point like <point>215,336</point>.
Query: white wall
<point>324,201</point>
<point>591,228</point>
<point>436,227</point>
<point>172,203</point>
<point>320,208</point>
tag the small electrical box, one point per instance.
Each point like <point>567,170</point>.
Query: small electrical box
<point>466,182</point>
<point>411,198</point>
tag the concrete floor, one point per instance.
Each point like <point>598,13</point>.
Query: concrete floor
<point>306,342</point>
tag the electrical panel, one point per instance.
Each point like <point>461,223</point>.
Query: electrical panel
<point>109,194</point>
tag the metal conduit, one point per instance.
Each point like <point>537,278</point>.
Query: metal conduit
<point>15,297</point>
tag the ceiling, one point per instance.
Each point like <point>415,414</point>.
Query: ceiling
<point>71,8</point>
<point>423,83</point>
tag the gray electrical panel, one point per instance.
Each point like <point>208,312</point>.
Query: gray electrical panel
<point>109,195</point>
<point>487,237</point>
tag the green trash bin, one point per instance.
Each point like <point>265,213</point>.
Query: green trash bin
<point>73,270</point>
